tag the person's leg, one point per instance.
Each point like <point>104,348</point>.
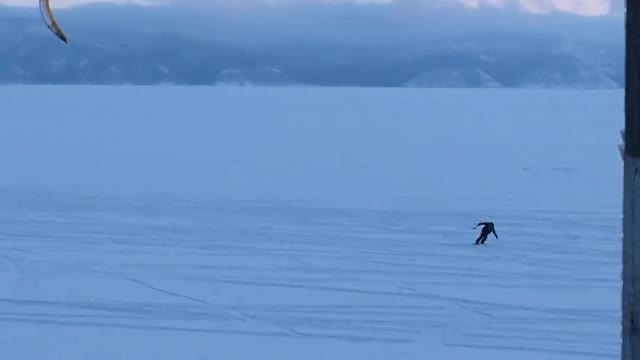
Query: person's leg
<point>484,238</point>
<point>480,238</point>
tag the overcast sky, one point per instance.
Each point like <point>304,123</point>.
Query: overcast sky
<point>579,7</point>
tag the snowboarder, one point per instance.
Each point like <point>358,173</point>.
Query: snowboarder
<point>487,228</point>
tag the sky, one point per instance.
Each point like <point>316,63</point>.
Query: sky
<point>578,7</point>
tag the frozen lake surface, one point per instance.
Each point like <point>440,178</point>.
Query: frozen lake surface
<point>300,223</point>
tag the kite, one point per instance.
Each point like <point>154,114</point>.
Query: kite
<point>50,20</point>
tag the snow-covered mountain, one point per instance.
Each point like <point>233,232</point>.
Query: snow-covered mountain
<point>158,46</point>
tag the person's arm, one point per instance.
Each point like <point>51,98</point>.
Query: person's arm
<point>494,233</point>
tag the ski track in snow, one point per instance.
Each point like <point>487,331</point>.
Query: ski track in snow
<point>105,277</point>
<point>345,278</point>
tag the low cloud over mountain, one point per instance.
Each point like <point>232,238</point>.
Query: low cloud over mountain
<point>340,44</point>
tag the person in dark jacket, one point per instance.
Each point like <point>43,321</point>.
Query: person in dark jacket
<point>487,228</point>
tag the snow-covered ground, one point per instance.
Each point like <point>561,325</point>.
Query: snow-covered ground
<point>302,223</point>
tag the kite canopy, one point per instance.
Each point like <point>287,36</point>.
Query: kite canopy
<point>50,20</point>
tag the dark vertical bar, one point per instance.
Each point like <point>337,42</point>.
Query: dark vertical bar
<point>631,217</point>
<point>632,68</point>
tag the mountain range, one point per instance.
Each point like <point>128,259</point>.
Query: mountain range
<point>146,45</point>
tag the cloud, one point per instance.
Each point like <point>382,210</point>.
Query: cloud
<point>579,7</point>
<point>70,3</point>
